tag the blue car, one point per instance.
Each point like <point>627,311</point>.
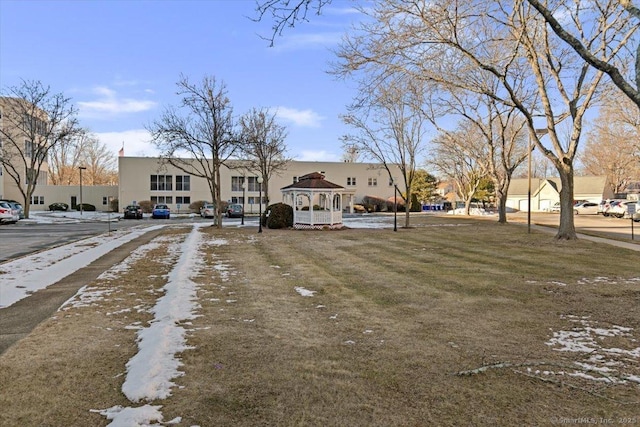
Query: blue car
<point>160,211</point>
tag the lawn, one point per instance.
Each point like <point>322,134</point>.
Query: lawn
<point>453,322</point>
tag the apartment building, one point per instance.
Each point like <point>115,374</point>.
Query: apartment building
<point>147,178</point>
<point>22,129</point>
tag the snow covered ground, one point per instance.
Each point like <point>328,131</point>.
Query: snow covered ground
<point>150,373</point>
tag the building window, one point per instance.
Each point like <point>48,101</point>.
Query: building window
<point>183,183</point>
<point>161,183</point>
<point>255,200</point>
<point>183,200</point>
<point>351,180</point>
<point>162,199</point>
<point>28,148</point>
<point>37,200</point>
<point>252,184</point>
<point>236,183</point>
<point>105,200</point>
<point>373,182</point>
<point>238,200</point>
<point>295,179</point>
<point>34,125</point>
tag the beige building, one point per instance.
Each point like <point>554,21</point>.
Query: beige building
<point>146,178</point>
<point>22,128</point>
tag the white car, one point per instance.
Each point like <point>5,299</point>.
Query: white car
<point>586,208</point>
<point>620,209</point>
<point>207,211</point>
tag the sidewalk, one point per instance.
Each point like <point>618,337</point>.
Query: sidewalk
<point>613,242</point>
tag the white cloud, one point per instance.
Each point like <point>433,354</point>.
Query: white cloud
<point>304,118</point>
<point>317,156</point>
<point>136,142</point>
<point>108,102</point>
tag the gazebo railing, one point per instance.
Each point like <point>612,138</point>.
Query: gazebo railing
<point>319,217</point>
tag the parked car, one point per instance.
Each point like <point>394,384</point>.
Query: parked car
<point>160,211</point>
<point>609,206</point>
<point>8,215</point>
<point>636,216</point>
<point>207,210</point>
<point>58,206</point>
<point>17,206</point>
<point>133,212</point>
<point>586,208</point>
<point>619,210</point>
<point>555,207</point>
<point>234,210</point>
<point>602,206</point>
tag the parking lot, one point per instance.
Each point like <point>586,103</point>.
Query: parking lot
<point>27,236</point>
<point>610,227</point>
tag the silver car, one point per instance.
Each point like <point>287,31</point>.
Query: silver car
<point>8,213</point>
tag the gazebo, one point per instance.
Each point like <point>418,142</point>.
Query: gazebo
<point>316,202</point>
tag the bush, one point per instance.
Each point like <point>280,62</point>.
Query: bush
<point>374,204</point>
<point>86,207</point>
<point>279,215</point>
<point>197,206</point>
<point>146,206</point>
<point>58,206</point>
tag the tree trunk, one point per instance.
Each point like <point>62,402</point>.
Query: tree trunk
<point>566,229</point>
<point>467,206</point>
<point>407,209</point>
<point>502,207</point>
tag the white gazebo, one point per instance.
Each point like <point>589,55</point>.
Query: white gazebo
<point>316,202</point>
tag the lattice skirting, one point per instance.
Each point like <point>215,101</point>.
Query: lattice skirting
<point>318,226</point>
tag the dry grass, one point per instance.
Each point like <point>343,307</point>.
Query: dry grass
<point>394,317</point>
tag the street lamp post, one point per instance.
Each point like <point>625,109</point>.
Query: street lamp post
<point>81,168</point>
<point>530,148</point>
<point>260,180</point>
<point>244,193</point>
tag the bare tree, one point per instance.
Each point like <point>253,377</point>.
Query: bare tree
<point>447,40</point>
<point>462,157</point>
<point>35,121</point>
<point>263,145</point>
<point>350,154</point>
<point>82,149</point>
<point>204,138</point>
<point>617,16</point>
<point>613,145</point>
<point>101,163</point>
<point>390,129</point>
<point>287,13</point>
<point>488,121</point>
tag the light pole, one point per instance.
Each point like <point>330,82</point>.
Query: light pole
<point>530,148</point>
<point>244,192</point>
<point>395,205</point>
<point>81,168</point>
<point>260,204</point>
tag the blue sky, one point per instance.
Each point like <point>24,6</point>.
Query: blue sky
<point>119,61</point>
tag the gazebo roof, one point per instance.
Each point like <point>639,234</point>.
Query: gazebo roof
<point>311,181</point>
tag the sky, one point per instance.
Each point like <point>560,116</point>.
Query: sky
<point>150,373</point>
<point>119,62</point>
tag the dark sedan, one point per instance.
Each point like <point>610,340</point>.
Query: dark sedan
<point>133,212</point>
